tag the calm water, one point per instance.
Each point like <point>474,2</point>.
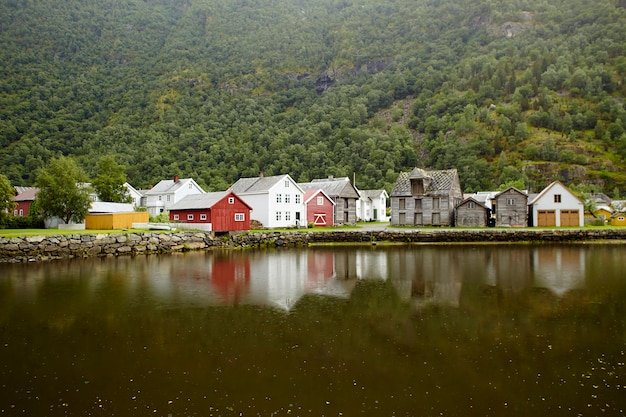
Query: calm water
<point>487,330</point>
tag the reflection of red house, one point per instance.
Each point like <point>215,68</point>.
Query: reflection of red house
<point>320,208</point>
<point>25,196</point>
<point>231,277</point>
<point>320,267</point>
<point>224,210</point>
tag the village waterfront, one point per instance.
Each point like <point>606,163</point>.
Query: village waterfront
<point>472,330</point>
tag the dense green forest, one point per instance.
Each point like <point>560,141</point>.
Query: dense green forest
<point>502,90</point>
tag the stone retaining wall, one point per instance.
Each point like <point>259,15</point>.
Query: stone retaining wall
<point>37,248</point>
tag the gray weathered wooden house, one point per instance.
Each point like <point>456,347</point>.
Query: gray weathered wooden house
<point>425,197</point>
<point>471,213</point>
<point>510,208</point>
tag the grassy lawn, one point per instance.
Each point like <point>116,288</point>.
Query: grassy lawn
<point>56,232</point>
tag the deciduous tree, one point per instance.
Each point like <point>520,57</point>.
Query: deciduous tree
<point>62,192</point>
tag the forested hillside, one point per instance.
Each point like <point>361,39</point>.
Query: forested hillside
<point>506,90</point>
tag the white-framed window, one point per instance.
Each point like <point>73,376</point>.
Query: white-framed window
<point>160,198</point>
<point>190,186</point>
<point>239,217</point>
<point>320,201</point>
<point>231,200</point>
<point>297,198</point>
<point>190,217</point>
<point>287,198</point>
<point>15,212</point>
<point>286,183</point>
<point>176,217</point>
<point>203,217</point>
<point>168,197</point>
<point>287,215</point>
<point>557,198</point>
<point>471,205</point>
<point>279,198</point>
<point>510,201</point>
<point>279,215</point>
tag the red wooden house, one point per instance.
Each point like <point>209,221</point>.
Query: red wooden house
<point>23,199</point>
<point>224,210</point>
<point>320,208</point>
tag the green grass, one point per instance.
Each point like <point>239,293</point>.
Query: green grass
<point>56,232</point>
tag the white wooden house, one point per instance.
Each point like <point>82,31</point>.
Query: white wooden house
<point>168,192</point>
<point>556,206</point>
<point>276,201</point>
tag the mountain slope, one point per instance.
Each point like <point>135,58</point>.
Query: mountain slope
<point>503,91</point>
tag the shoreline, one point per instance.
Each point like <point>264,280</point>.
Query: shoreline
<point>25,249</point>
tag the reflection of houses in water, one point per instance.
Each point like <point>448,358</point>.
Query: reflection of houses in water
<point>423,275</point>
<point>361,264</point>
<point>508,267</point>
<point>559,269</point>
<point>230,278</point>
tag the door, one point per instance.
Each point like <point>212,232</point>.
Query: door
<point>546,218</point>
<point>569,218</point>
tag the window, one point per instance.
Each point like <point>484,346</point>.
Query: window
<point>231,200</point>
<point>190,186</point>
<point>418,204</point>
<point>510,201</point>
<point>401,204</point>
<point>21,212</point>
<point>190,217</point>
<point>435,203</point>
<point>279,198</point>
<point>159,198</point>
<point>203,217</point>
<point>471,205</point>
<point>320,201</point>
<point>288,215</point>
<point>279,215</point>
<point>176,217</point>
<point>15,212</point>
<point>557,198</point>
<point>239,217</point>
<point>286,183</point>
<point>287,198</point>
<point>168,197</point>
<point>297,198</point>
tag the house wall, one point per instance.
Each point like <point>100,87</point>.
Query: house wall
<point>221,216</point>
<point>291,213</point>
<point>327,209</point>
<point>345,214</point>
<point>379,209</point>
<point>111,221</point>
<point>568,202</point>
<point>21,208</point>
<point>511,214</point>
<point>427,215</point>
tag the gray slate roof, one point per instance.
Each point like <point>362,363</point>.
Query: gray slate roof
<point>441,180</point>
<point>199,201</point>
<point>167,186</point>
<point>371,194</point>
<point>333,187</point>
<point>255,184</point>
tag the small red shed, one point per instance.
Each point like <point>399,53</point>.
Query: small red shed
<point>224,210</point>
<point>320,208</point>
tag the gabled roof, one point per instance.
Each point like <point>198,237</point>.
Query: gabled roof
<point>257,185</point>
<point>372,194</point>
<point>440,180</point>
<point>203,201</point>
<point>467,200</point>
<point>309,194</point>
<point>511,188</point>
<point>170,186</point>
<point>334,187</point>
<point>552,185</point>
<point>25,193</point>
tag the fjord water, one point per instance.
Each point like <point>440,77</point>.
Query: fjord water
<point>466,330</point>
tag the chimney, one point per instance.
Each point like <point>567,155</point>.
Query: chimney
<point>176,178</point>
<point>261,174</point>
